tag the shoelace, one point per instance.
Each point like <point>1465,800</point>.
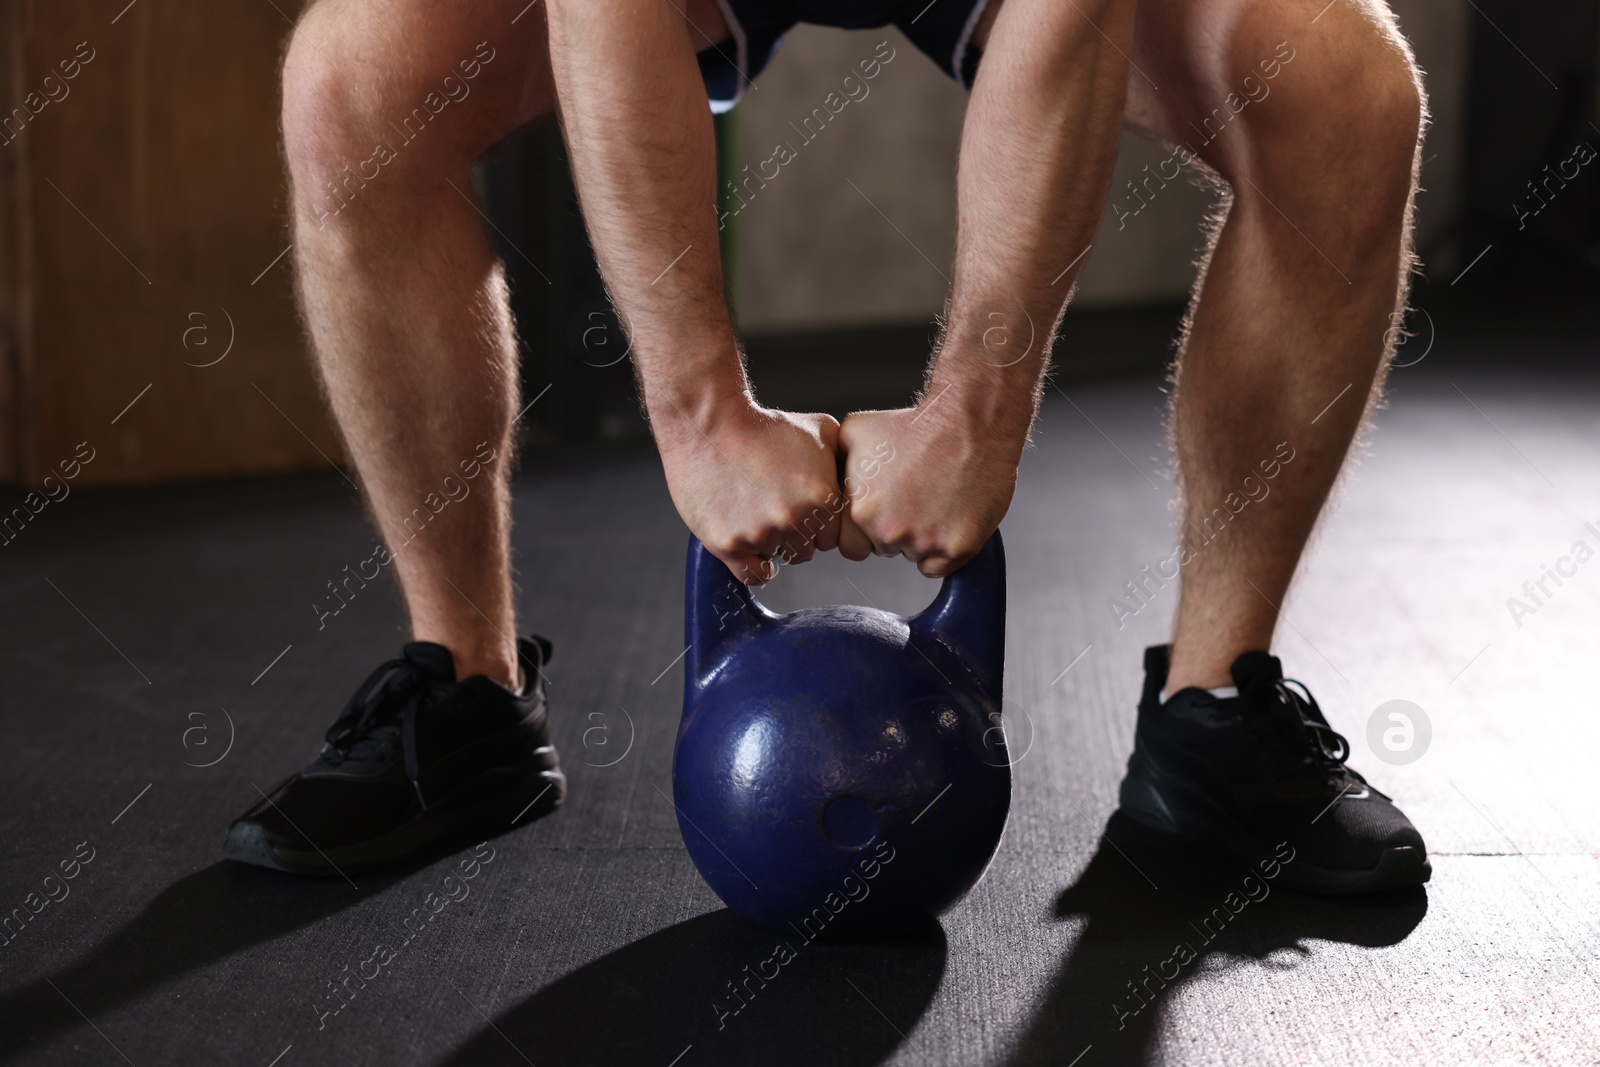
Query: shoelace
<point>392,696</point>
<point>1297,697</point>
<point>1298,725</point>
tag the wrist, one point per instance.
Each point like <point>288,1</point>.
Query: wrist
<point>971,388</point>
<point>699,405</point>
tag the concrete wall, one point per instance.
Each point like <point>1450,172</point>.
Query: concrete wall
<point>859,226</point>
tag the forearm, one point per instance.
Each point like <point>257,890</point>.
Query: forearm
<point>644,160</point>
<point>1036,154</point>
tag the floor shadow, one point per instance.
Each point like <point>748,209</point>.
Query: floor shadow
<point>671,998</point>
<point>211,914</point>
<point>1143,898</point>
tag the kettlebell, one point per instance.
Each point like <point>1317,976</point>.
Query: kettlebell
<point>840,772</point>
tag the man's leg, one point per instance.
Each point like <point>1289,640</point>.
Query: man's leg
<point>386,105</point>
<point>404,298</point>
<point>1286,341</point>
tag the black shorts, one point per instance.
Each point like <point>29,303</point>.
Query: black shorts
<point>940,28</point>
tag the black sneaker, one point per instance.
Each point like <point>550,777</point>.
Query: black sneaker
<point>1263,775</point>
<point>417,763</point>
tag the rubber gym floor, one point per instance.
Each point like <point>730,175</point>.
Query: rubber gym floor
<point>151,631</point>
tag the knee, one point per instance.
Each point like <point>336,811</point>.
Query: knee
<point>1379,126</point>
<point>349,120</point>
<point>327,116</point>
<point>1340,132</point>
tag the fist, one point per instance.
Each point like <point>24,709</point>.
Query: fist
<point>939,496</point>
<point>757,486</point>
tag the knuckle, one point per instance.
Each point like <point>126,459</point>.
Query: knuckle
<point>724,546</point>
<point>747,543</point>
<point>813,497</point>
<point>892,532</point>
<point>961,547</point>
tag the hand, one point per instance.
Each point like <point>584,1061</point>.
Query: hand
<point>943,490</point>
<point>754,484</point>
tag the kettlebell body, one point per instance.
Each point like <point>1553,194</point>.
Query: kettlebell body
<point>841,772</point>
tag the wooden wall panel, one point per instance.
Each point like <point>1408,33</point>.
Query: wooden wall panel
<point>144,208</point>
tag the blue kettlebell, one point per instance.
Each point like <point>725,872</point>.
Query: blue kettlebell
<point>840,772</point>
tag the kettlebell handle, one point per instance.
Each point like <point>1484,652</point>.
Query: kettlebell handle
<point>968,616</point>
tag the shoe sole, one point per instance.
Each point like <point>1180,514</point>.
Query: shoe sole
<point>1161,802</point>
<point>492,804</point>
